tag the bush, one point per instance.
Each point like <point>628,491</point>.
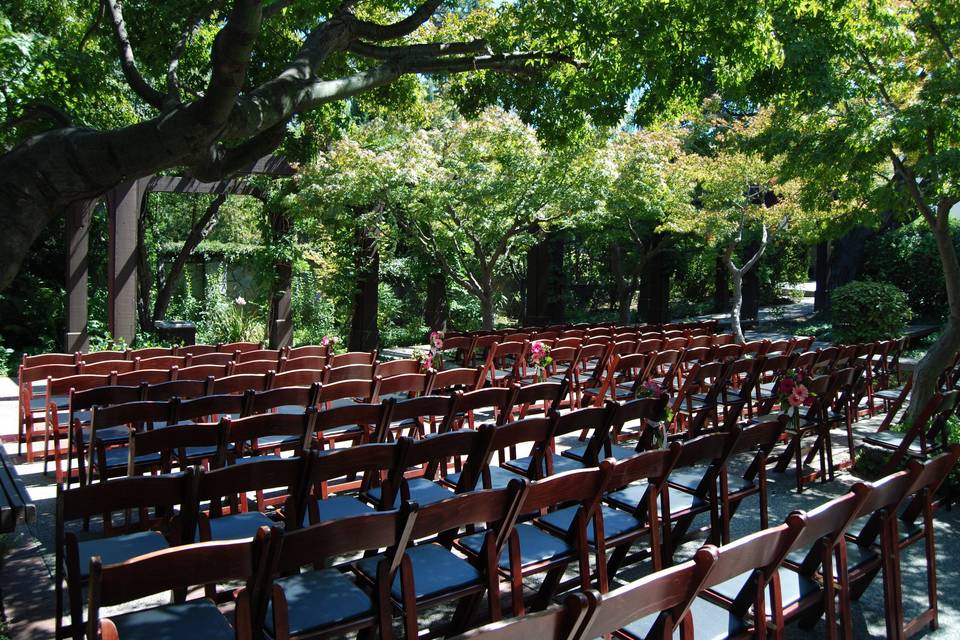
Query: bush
<point>864,311</point>
<point>908,258</point>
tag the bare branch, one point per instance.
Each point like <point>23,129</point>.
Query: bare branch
<point>763,247</point>
<point>436,49</point>
<point>101,10</point>
<point>910,184</point>
<point>33,111</point>
<point>380,33</point>
<point>190,30</point>
<point>128,62</point>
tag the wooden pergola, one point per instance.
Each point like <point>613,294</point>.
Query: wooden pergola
<point>124,205</point>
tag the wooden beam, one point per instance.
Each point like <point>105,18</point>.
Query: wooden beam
<point>78,218</point>
<point>123,206</point>
<point>182,184</point>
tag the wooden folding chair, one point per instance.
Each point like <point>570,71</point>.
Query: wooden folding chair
<point>157,525</point>
<point>332,480</point>
<point>58,418</point>
<point>534,548</point>
<point>928,435</point>
<point>623,527</point>
<point>228,515</point>
<point>654,607</point>
<point>178,568</point>
<point>109,457</point>
<point>430,573</point>
<point>325,600</point>
<point>81,405</point>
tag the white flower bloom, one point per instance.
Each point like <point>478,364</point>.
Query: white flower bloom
<point>240,301</point>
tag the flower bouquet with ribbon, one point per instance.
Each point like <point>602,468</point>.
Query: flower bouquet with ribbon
<point>792,394</point>
<point>427,358</point>
<point>540,359</point>
<point>653,389</point>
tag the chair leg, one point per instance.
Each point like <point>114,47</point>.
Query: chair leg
<point>548,589</point>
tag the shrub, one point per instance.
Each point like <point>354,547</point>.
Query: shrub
<point>864,311</point>
<point>907,257</point>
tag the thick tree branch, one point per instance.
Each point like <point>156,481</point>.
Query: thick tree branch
<point>436,49</point>
<point>128,62</point>
<point>229,61</point>
<point>380,33</point>
<point>222,161</point>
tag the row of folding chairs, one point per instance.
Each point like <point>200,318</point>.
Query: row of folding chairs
<point>157,364</point>
<point>816,562</point>
<point>580,329</point>
<point>41,403</point>
<point>436,552</point>
<point>215,426</point>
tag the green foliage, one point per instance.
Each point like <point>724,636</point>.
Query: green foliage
<point>864,311</point>
<point>908,258</point>
<point>229,320</point>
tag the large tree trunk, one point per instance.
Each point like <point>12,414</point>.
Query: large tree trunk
<point>653,301</point>
<point>436,309</point>
<point>821,297</point>
<point>555,304</point>
<point>941,355</point>
<point>721,290</point>
<point>736,277</point>
<point>486,309</point>
<point>364,333</point>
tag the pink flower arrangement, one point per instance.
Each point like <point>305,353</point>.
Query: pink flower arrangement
<point>653,389</point>
<point>792,393</point>
<point>540,359</point>
<point>328,341</point>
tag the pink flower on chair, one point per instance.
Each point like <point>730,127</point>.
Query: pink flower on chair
<point>799,396</point>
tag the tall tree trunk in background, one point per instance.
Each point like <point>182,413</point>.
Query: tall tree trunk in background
<point>556,299</point>
<point>750,308</point>
<point>847,257</point>
<point>821,271</point>
<point>280,321</point>
<point>653,303</point>
<point>620,299</point>
<point>364,333</point>
<point>534,289</point>
<point>200,230</point>
<point>721,290</point>
<point>942,354</point>
<point>436,310</point>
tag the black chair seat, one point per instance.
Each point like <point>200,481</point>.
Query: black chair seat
<point>713,622</point>
<point>536,545</point>
<point>893,440</point>
<point>616,451</point>
<point>268,442</point>
<point>118,458</point>
<point>499,478</point>
<point>680,500</point>
<point>793,587</point>
<point>560,464</point>
<point>615,522</point>
<point>435,571</point>
<point>38,403</point>
<point>320,599</point>
<point>335,507</point>
<point>193,619</point>
<point>108,435</point>
<point>890,394</point>
<point>119,548</point>
<point>422,491</point>
<point>238,526</point>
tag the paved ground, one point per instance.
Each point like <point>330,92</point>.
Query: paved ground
<point>28,593</point>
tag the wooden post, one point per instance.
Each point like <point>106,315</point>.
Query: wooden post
<point>123,206</point>
<point>78,217</point>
